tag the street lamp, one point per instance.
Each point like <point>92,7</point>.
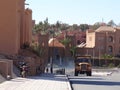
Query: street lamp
<point>51,59</point>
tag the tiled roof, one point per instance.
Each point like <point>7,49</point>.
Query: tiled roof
<point>54,42</point>
<point>105,28</point>
<point>82,45</point>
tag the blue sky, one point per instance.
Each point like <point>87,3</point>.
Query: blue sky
<point>75,11</point>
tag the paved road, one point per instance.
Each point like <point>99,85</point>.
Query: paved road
<point>44,82</point>
<point>101,80</point>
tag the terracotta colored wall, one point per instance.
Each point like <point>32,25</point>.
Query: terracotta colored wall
<point>117,45</point>
<point>28,26</point>
<point>108,43</point>
<point>101,42</point>
<point>6,67</point>
<point>43,42</point>
<point>15,25</point>
<point>33,23</point>
<point>9,31</point>
<point>3,68</point>
<point>21,19</point>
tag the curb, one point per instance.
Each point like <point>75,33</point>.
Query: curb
<point>68,83</point>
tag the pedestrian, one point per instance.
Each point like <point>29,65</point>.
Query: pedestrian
<point>47,70</point>
<point>23,74</point>
<point>51,69</point>
<point>24,70</point>
<point>20,70</point>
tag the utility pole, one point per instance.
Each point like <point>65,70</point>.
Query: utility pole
<point>51,68</point>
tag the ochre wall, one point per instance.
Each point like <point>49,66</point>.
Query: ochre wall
<point>9,31</point>
<point>15,25</point>
<point>28,26</point>
<point>6,67</point>
<point>90,39</point>
<point>3,68</point>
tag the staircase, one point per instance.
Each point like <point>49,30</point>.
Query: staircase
<point>2,79</point>
<point>16,72</point>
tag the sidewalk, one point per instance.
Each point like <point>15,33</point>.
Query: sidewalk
<point>43,82</point>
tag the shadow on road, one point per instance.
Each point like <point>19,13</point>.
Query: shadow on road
<point>95,82</point>
<point>78,78</point>
<point>52,77</point>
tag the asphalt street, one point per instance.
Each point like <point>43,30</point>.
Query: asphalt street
<point>100,80</point>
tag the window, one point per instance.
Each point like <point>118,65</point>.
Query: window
<point>110,49</point>
<point>110,39</point>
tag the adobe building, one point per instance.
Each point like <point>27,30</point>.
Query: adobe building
<point>56,50</point>
<point>44,47</point>
<point>6,68</point>
<point>76,38</point>
<point>27,33</point>
<point>104,40</point>
<point>15,26</point>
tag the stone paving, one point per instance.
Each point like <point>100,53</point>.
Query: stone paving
<point>44,82</point>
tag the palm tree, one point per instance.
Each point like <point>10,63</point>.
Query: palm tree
<point>73,50</point>
<point>65,41</point>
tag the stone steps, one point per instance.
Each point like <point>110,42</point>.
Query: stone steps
<point>16,72</point>
<point>2,79</point>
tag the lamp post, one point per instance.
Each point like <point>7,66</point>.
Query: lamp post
<point>93,56</point>
<point>51,59</point>
<point>99,56</point>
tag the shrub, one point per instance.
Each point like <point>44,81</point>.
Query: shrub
<point>118,66</point>
<point>25,45</point>
<point>39,51</point>
<point>111,65</point>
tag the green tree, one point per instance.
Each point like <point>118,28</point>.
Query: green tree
<point>111,23</point>
<point>52,33</point>
<point>46,25</point>
<point>42,27</point>
<point>64,26</point>
<point>65,41</point>
<point>84,27</point>
<point>75,26</point>
<point>38,27</point>
<point>39,51</point>
<point>73,50</point>
<point>107,56</point>
<point>96,26</point>
<point>58,25</point>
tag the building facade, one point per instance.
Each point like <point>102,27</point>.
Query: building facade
<point>15,25</point>
<point>44,48</point>
<point>104,40</point>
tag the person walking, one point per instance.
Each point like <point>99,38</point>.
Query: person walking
<point>24,70</point>
<point>47,70</point>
